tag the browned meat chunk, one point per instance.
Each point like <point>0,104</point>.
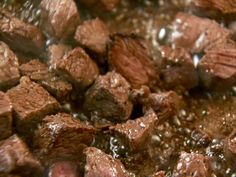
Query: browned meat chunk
<point>78,68</point>
<point>5,116</point>
<point>136,133</point>
<point>31,103</point>
<point>178,68</point>
<point>101,4</point>
<point>129,57</point>
<point>59,18</point>
<point>195,34</point>
<point>230,148</point>
<point>39,72</point>
<point>99,164</point>
<point>94,35</point>
<point>164,104</point>
<point>19,35</point>
<point>16,158</point>
<point>108,98</point>
<point>62,136</point>
<point>217,68</point>
<point>9,67</point>
<point>56,53</point>
<point>201,137</point>
<point>63,169</point>
<point>225,6</point>
<point>192,164</point>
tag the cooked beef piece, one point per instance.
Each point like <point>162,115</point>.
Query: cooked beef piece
<point>129,56</point>
<point>178,69</point>
<point>137,96</point>
<point>56,53</point>
<point>225,6</point>
<point>136,133</point>
<point>217,68</point>
<point>78,68</point>
<point>62,136</point>
<point>192,164</point>
<point>19,35</point>
<point>39,72</point>
<point>16,158</point>
<point>99,164</point>
<point>59,18</point>
<point>230,148</point>
<point>31,103</point>
<point>108,98</point>
<point>5,116</point>
<point>201,137</point>
<point>9,67</point>
<point>164,104</point>
<point>101,4</point>
<point>195,34</point>
<point>159,174</point>
<point>63,169</point>
<point>94,35</point>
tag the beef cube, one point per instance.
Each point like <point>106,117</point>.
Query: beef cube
<point>19,35</point>
<point>136,133</point>
<point>195,34</point>
<point>5,116</point>
<point>99,164</point>
<point>201,137</point>
<point>16,158</point>
<point>63,169</point>
<point>178,68</point>
<point>56,53</point>
<point>108,98</point>
<point>78,68</point>
<point>61,136</point>
<point>230,148</point>
<point>127,55</point>
<point>224,6</point>
<point>59,18</point>
<point>39,72</point>
<point>217,68</point>
<point>31,103</point>
<point>101,4</point>
<point>9,67</point>
<point>94,35</point>
<point>192,164</point>
<point>164,104</point>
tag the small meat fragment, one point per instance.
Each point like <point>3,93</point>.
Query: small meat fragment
<point>39,72</point>
<point>195,34</point>
<point>31,103</point>
<point>192,164</point>
<point>19,35</point>
<point>59,18</point>
<point>164,104</point>
<point>56,53</point>
<point>159,174</point>
<point>108,98</point>
<point>201,137</point>
<point>63,169</point>
<point>178,68</point>
<point>5,116</point>
<point>62,136</point>
<point>101,4</point>
<point>9,67</point>
<point>129,57</point>
<point>78,68</point>
<point>230,148</point>
<point>99,164</point>
<point>94,35</point>
<point>217,68</point>
<point>16,158</point>
<point>225,6</point>
<point>136,133</point>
